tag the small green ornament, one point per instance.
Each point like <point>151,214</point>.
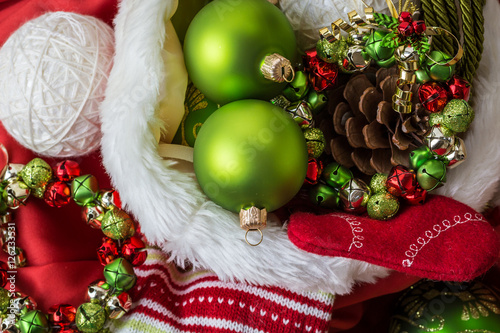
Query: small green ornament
<point>377,183</point>
<point>382,206</point>
<point>120,275</point>
<point>90,317</point>
<point>422,76</point>
<point>383,56</point>
<point>431,174</point>
<point>33,322</point>
<point>317,101</point>
<point>36,173</point>
<point>435,68</point>
<point>457,115</point>
<point>117,224</point>
<point>298,88</point>
<point>336,175</point>
<point>315,140</point>
<point>419,156</point>
<point>84,189</point>
<point>4,300</point>
<point>324,196</point>
<point>332,52</point>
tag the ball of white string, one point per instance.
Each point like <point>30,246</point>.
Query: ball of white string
<point>53,74</point>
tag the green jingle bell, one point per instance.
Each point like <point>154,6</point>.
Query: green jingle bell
<point>419,156</point>
<point>353,60</point>
<point>456,116</point>
<point>90,318</point>
<point>298,88</point>
<point>317,101</point>
<point>324,196</point>
<point>382,206</point>
<point>422,76</point>
<point>33,322</point>
<point>333,52</point>
<point>336,175</point>
<point>36,173</point>
<point>374,49</point>
<point>457,155</point>
<point>15,194</point>
<point>315,140</point>
<point>84,189</point>
<point>354,196</point>
<point>437,142</point>
<point>377,183</point>
<point>436,68</point>
<point>117,224</point>
<point>120,275</point>
<point>431,175</point>
<point>301,113</point>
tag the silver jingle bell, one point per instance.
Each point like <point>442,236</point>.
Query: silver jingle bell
<point>92,215</point>
<point>302,114</point>
<point>12,171</point>
<point>15,194</point>
<point>97,292</point>
<point>118,305</point>
<point>9,325</point>
<point>439,143</point>
<point>407,58</point>
<point>110,199</point>
<point>21,304</point>
<point>458,153</point>
<point>353,60</point>
<point>355,195</point>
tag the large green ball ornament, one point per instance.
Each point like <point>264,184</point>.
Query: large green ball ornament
<point>250,153</point>
<point>436,69</point>
<point>336,175</point>
<point>227,43</point>
<point>431,174</point>
<point>445,307</point>
<point>33,321</point>
<point>383,56</point>
<point>90,317</point>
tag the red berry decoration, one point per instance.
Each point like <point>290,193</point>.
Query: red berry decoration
<point>459,88</point>
<point>133,249</point>
<point>434,96</point>
<point>62,315</point>
<point>67,170</point>
<point>416,198</point>
<point>419,27</point>
<point>401,182</point>
<point>405,29</point>
<point>108,251</point>
<point>314,170</point>
<point>57,194</point>
<point>405,17</point>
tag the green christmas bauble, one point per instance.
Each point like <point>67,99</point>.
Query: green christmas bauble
<point>444,307</point>
<point>250,153</point>
<point>226,44</point>
<point>383,56</point>
<point>435,66</point>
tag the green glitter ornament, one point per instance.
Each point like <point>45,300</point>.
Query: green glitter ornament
<point>332,52</point>
<point>117,224</point>
<point>419,156</point>
<point>84,189</point>
<point>457,116</point>
<point>382,206</point>
<point>383,56</point>
<point>4,300</point>
<point>120,275</point>
<point>324,196</point>
<point>436,69</point>
<point>298,88</point>
<point>90,317</point>
<point>377,183</point>
<point>336,175</point>
<point>36,173</point>
<point>33,322</point>
<point>315,140</point>
<point>317,101</point>
<point>431,174</point>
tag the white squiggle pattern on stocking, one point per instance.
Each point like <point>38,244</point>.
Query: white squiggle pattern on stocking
<point>357,239</point>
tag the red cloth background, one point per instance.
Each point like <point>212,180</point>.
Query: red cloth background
<point>61,248</point>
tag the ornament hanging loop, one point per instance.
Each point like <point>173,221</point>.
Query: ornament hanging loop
<point>252,230</point>
<point>253,219</point>
<point>277,68</point>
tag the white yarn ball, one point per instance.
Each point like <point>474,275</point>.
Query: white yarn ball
<point>53,74</point>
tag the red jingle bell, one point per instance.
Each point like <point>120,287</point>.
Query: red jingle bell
<point>3,274</point>
<point>108,251</point>
<point>459,88</point>
<point>401,182</point>
<point>434,96</point>
<point>57,194</point>
<point>322,75</point>
<point>314,170</point>
<point>419,27</point>
<point>67,170</point>
<point>405,17</point>
<point>405,29</point>
<point>416,198</point>
<point>62,315</point>
<point>133,249</point>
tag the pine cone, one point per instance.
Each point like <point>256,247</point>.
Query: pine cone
<point>367,133</point>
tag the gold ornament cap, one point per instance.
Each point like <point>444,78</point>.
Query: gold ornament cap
<point>253,219</point>
<point>277,68</point>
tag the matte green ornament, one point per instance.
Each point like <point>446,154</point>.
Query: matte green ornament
<point>419,156</point>
<point>227,43</point>
<point>324,196</point>
<point>84,189</point>
<point>457,115</point>
<point>90,317</point>
<point>431,174</point>
<point>250,153</point>
<point>298,88</point>
<point>315,140</point>
<point>36,173</point>
<point>317,101</point>
<point>383,56</point>
<point>120,275</point>
<point>336,175</point>
<point>435,66</point>
<point>422,76</point>
<point>117,224</point>
<point>332,52</point>
<point>33,322</point>
<point>377,183</point>
<point>382,206</point>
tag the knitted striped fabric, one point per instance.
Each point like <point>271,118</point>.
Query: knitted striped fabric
<point>167,300</point>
